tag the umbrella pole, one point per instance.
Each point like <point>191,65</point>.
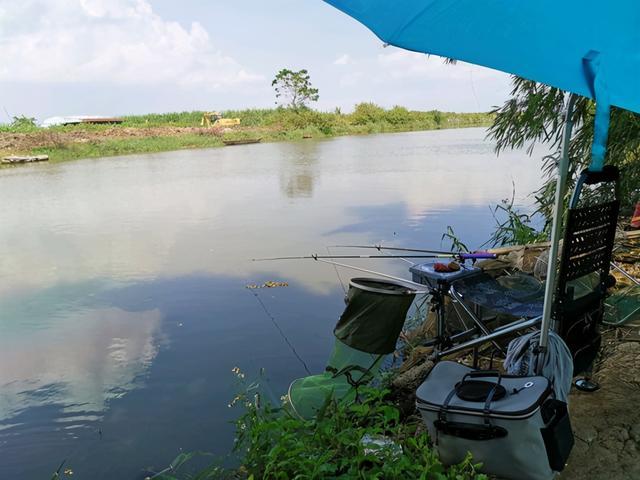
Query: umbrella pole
<point>556,229</point>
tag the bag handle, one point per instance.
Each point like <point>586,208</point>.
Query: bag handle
<point>442,413</point>
<point>483,373</point>
<point>487,403</point>
<point>485,431</point>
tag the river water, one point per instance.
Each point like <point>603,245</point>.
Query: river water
<point>123,306</point>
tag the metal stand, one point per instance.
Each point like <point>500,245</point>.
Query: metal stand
<point>445,342</point>
<point>556,230</point>
<point>438,305</point>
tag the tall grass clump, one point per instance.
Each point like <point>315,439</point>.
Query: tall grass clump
<point>20,123</point>
<point>172,119</point>
<point>513,227</point>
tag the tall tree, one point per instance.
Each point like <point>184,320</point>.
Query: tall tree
<point>535,114</point>
<point>294,89</point>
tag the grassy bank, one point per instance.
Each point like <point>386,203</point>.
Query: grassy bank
<point>272,442</point>
<point>176,131</point>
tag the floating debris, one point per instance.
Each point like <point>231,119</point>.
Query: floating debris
<point>380,446</point>
<point>269,284</point>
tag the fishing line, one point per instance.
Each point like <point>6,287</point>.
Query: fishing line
<point>338,274</point>
<point>273,320</point>
<point>5,111</point>
<point>380,247</point>
<point>399,279</point>
<point>405,260</point>
<point>473,88</point>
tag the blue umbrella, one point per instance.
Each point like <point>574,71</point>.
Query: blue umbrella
<point>586,47</point>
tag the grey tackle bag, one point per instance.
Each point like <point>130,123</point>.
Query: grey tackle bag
<point>512,425</point>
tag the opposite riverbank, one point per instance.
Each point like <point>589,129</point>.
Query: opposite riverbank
<point>175,131</point>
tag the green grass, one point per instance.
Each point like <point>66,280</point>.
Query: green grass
<point>332,123</point>
<point>127,146</point>
<point>269,124</point>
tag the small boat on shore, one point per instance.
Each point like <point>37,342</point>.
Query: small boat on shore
<point>13,159</point>
<point>245,141</point>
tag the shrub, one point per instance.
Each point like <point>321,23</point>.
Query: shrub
<point>398,116</point>
<point>278,445</point>
<point>273,443</point>
<point>367,112</point>
<point>437,117</point>
<point>305,118</point>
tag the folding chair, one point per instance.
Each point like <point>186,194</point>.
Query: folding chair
<point>584,271</point>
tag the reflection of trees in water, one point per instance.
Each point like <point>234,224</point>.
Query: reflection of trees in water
<point>298,170</point>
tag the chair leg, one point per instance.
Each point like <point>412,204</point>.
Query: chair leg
<point>585,384</point>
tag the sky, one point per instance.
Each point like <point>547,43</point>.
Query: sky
<point>116,57</point>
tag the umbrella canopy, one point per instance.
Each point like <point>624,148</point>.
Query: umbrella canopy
<point>588,47</point>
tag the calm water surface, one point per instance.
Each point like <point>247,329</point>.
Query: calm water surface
<point>123,306</point>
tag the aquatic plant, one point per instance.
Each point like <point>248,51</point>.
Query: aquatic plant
<point>456,244</point>
<point>513,227</point>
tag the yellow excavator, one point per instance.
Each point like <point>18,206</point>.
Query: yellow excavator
<point>214,119</point>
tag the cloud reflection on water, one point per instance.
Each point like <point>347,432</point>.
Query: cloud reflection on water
<point>85,359</point>
<point>213,210</point>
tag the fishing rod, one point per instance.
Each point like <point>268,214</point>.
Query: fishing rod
<point>461,256</point>
<point>318,257</point>
<point>625,273</point>
<point>382,247</point>
<point>437,252</point>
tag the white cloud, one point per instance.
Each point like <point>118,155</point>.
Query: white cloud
<point>350,79</point>
<point>392,76</point>
<point>118,41</point>
<point>343,59</point>
<point>405,64</point>
<point>395,65</point>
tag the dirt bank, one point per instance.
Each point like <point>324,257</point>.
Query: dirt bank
<point>607,422</point>
<point>10,141</point>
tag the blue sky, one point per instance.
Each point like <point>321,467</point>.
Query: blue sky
<point>111,57</point>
